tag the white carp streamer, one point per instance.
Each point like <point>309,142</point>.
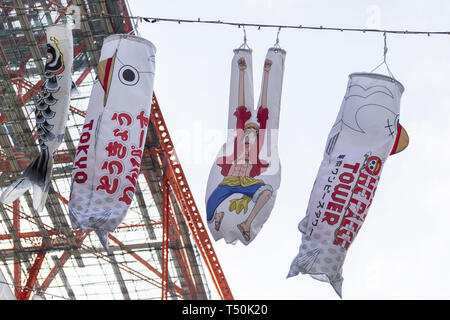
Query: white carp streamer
<point>244,179</point>
<point>109,153</point>
<point>51,113</point>
<point>366,132</point>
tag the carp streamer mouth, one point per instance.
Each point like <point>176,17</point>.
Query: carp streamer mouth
<point>105,71</point>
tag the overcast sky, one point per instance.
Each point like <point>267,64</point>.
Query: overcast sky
<point>402,250</point>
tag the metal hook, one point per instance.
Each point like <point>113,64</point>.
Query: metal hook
<point>385,51</point>
<point>278,37</point>
<point>245,35</point>
<point>139,19</point>
<point>244,45</point>
<point>277,41</point>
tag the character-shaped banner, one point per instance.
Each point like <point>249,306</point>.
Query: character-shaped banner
<point>244,179</point>
<point>109,153</point>
<point>51,112</point>
<point>366,132</point>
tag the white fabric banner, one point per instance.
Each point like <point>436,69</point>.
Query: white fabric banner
<point>109,153</point>
<point>244,179</point>
<point>5,290</point>
<point>365,133</point>
<point>52,108</point>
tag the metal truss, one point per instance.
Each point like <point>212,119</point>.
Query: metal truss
<point>160,249</point>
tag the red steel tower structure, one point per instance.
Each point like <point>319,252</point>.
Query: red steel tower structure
<point>161,250</point>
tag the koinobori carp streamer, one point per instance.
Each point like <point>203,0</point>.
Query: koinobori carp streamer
<point>366,132</point>
<point>51,113</point>
<point>244,179</point>
<point>109,153</point>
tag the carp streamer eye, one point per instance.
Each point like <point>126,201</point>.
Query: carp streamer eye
<point>128,75</point>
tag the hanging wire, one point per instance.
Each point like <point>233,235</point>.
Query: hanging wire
<point>136,20</point>
<point>244,24</point>
<point>385,51</point>
<point>136,25</point>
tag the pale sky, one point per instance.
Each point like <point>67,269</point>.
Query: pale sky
<point>401,251</point>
